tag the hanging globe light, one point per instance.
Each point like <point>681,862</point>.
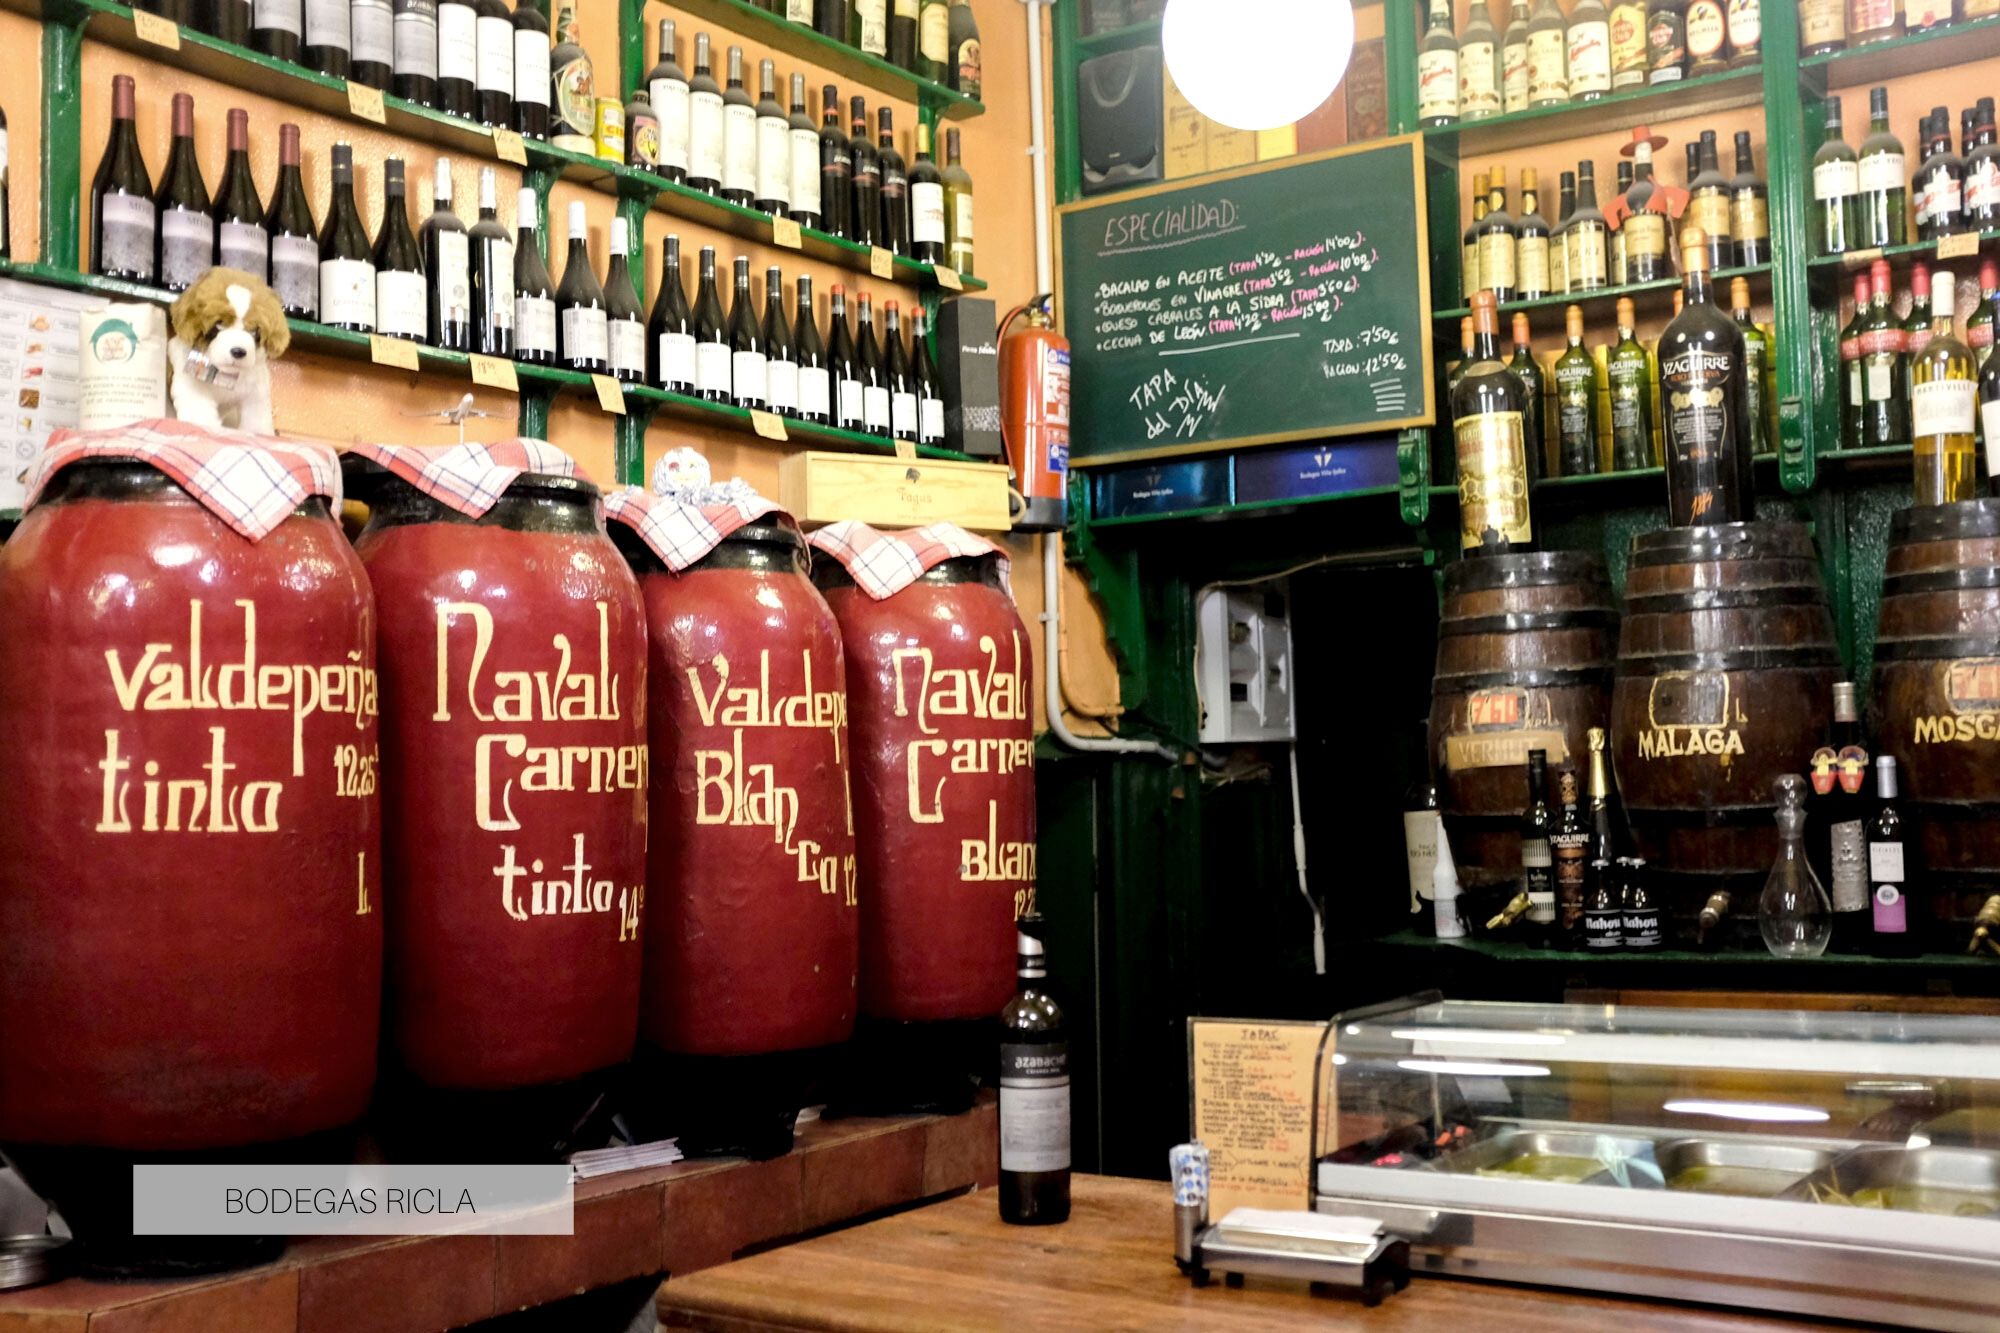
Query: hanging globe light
<point>1257,64</point>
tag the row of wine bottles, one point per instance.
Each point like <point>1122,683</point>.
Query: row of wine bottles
<point>1863,200</point>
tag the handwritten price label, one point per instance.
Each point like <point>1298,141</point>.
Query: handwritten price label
<point>610,394</point>
<point>785,232</point>
<point>508,147</point>
<point>366,103</point>
<point>947,278</point>
<point>882,263</point>
<point>495,372</point>
<point>386,351</point>
<point>768,425</point>
<point>906,449</point>
<point>160,32</point>
<point>1965,245</point>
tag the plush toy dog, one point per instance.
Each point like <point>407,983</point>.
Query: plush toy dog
<point>228,328</point>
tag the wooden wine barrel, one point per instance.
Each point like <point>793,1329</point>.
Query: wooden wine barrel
<point>1524,663</point>
<point>1726,664</point>
<point>1937,692</point>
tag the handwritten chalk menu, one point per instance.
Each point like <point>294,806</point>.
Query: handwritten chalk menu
<point>1252,1085</point>
<point>1281,302</point>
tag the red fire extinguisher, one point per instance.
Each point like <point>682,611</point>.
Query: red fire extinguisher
<point>1034,411</point>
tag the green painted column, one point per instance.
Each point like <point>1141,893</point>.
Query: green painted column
<point>1399,55</point>
<point>62,137</point>
<point>629,446</point>
<point>632,65</point>
<point>1801,406</point>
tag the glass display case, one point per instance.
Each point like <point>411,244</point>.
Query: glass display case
<point>1831,1163</point>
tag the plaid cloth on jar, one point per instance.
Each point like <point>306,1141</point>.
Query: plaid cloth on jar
<point>882,564</point>
<point>469,477</point>
<point>679,532</point>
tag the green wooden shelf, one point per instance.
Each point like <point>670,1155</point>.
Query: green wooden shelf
<point>1918,53</point>
<point>323,340</point>
<point>1898,255</point>
<point>1606,298</point>
<point>1621,959</point>
<point>1617,111</point>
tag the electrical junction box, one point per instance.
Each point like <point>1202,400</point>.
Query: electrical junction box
<point>1243,654</point>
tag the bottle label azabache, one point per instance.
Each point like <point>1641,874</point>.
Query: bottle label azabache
<point>245,246</point>
<point>295,272</point>
<point>677,358</point>
<point>1942,407</point>
<point>454,276</point>
<point>586,335</point>
<point>1492,477</point>
<point>399,304</point>
<point>347,292</point>
<point>187,246</point>
<point>1849,850</point>
<point>627,346</point>
<point>535,324</point>
<point>1034,1107</point>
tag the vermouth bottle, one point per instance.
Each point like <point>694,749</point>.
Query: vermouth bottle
<point>1489,428</point>
<point>1943,400</point>
<point>490,261</point>
<point>670,333</point>
<point>711,336</point>
<point>1882,203</point>
<point>293,236</point>
<point>1034,1094</point>
<point>1569,853</point>
<point>240,239</point>
<point>1576,400</point>
<point>447,250</point>
<point>187,231</point>
<point>1437,69</point>
<point>1836,174</point>
<point>1629,370</point>
<point>1704,403</point>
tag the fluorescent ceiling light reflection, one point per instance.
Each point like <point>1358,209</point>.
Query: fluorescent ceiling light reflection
<point>1767,1112</point>
<point>1474,1067</point>
<point>1476,1037</point>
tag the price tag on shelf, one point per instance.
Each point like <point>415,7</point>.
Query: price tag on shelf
<point>769,425</point>
<point>1862,258</point>
<point>785,232</point>
<point>906,450</point>
<point>365,102</point>
<point>509,147</point>
<point>495,372</point>
<point>610,394</point>
<point>386,351</point>
<point>1965,245</point>
<point>947,278</point>
<point>160,32</point>
<point>882,263</point>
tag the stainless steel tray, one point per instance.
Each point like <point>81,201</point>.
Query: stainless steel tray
<point>1623,1159</point>
<point>1954,1182</point>
<point>1739,1166</point>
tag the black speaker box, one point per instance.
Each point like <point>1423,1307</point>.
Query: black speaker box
<point>1118,113</point>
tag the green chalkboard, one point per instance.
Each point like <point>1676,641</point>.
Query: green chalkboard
<point>1284,301</point>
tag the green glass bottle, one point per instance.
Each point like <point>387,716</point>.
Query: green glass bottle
<point>1852,398</point>
<point>1756,356</point>
<point>1917,324</point>
<point>1576,401</point>
<point>1885,371</point>
<point>1836,181</point>
<point>1529,372</point>
<point>1628,367</point>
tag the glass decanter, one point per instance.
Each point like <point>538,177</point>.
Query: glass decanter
<point>1794,915</point>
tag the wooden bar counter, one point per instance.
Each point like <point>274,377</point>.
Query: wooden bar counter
<point>954,1266</point>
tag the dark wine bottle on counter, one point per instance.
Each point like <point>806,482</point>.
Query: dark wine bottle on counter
<point>582,332</point>
<point>372,41</point>
<point>847,411</point>
<point>328,24</point>
<point>624,318</point>
<point>122,216</point>
<point>747,372</point>
<point>836,169</point>
<point>294,237</point>
<point>815,374</point>
<point>711,336</point>
<point>187,232</point>
<point>490,262</point>
<point>870,370</point>
<point>276,27</point>
<point>532,78</point>
<point>896,373</point>
<point>781,367</point>
<point>895,225</point>
<point>1704,403</point>
<point>346,267</point>
<point>447,251</point>
<point>865,222</point>
<point>414,51</point>
<point>493,61</point>
<point>402,299</point>
<point>1422,829</point>
<point>458,57</point>
<point>670,334</point>
<point>1034,1094</point>
<point>930,390</point>
<point>534,293</point>
<point>240,239</point>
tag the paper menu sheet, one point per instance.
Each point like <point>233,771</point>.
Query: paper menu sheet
<point>1252,1086</point>
<point>40,375</point>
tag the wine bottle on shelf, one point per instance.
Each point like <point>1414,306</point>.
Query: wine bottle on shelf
<point>1588,51</point>
<point>832,17</point>
<point>1979,325</point>
<point>897,376</point>
<point>1514,59</point>
<point>1822,26</point>
<point>277,28</point>
<point>1576,400</point>
<point>534,292</point>
<point>1531,244</point>
<point>1853,381</point>
<point>624,318</point>
<point>1756,360</point>
<point>1989,398</point>
<point>1469,276</point>
<point>1883,198</point>
<point>957,207</point>
<point>1873,21</point>
<point>1466,342</point>
<point>1548,59</point>
<point>293,237</point>
<point>1917,324</point>
<point>866,216</point>
<point>1666,41</point>
<point>1620,270</point>
<point>1529,372</point>
<point>1707,37</point>
<point>413,51</point>
<point>1587,240</point>
<point>1569,855</point>
<point>371,32</point>
<point>934,42</point>
<point>712,378</point>
<point>228,19</point>
<point>447,264</point>
<point>1489,429</point>
<point>187,232</point>
<point>490,275</point>
<point>1940,183</point>
<point>1944,385</point>
<point>903,34</point>
<point>670,333</point>
<point>327,25</point>
<point>642,132</point>
<point>1034,1091</point>
<point>346,264</point>
<point>868,29</point>
<point>1749,210</point>
<point>1646,227</point>
<point>739,137</point>
<point>582,336</point>
<point>1537,861</point>
<point>1558,235</point>
<point>872,368</point>
<point>748,368</point>
<point>181,12</point>
<point>774,145</point>
<point>847,404</point>
<point>803,156</point>
<point>1437,69</point>
<point>402,300</point>
<point>836,169</point>
<point>458,57</point>
<point>967,76</point>
<point>1920,15</point>
<point>493,61</point>
<point>1710,204</point>
<point>930,391</point>
<point>1889,871</point>
<point>781,367</point>
<point>1885,370</point>
<point>809,352</point>
<point>895,195</point>
<point>667,89</point>
<point>1479,69</point>
<point>704,122</point>
<point>1497,238</point>
<point>1982,173</point>
<point>1629,371</point>
<point>1629,53</point>
<point>572,88</point>
<point>240,239</point>
<point>1704,403</point>
<point>1746,32</point>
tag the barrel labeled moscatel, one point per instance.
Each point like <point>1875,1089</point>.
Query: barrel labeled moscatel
<point>515,764</point>
<point>190,903</point>
<point>939,675</point>
<point>752,935</point>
